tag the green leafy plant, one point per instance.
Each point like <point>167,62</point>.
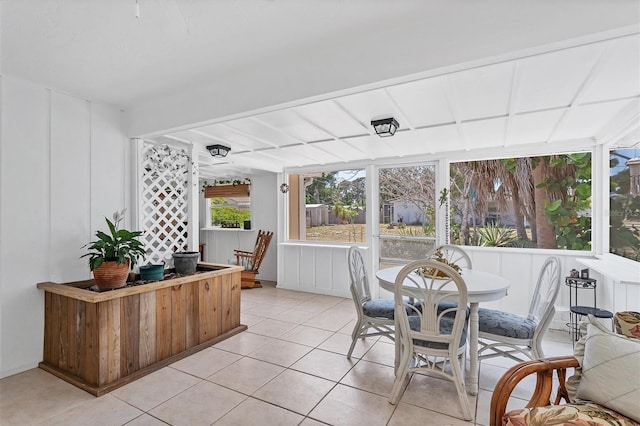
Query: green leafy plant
<point>121,246</point>
<point>571,187</point>
<point>493,235</point>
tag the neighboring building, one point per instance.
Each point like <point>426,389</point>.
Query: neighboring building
<point>317,215</point>
<point>634,176</point>
<point>405,211</point>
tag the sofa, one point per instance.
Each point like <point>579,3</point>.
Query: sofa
<point>604,389</point>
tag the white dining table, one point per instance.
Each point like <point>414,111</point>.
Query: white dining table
<point>481,287</point>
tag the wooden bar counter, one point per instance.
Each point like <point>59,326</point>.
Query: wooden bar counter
<point>100,341</point>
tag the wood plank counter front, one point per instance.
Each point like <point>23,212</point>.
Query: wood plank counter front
<point>101,341</point>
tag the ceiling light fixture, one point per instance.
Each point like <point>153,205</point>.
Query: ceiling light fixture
<point>385,127</point>
<point>218,150</point>
<point>137,10</point>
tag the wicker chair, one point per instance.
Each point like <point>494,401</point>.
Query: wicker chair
<point>375,316</point>
<point>431,340</point>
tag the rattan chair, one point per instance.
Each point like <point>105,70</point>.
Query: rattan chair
<point>506,334</point>
<point>375,316</point>
<point>428,339</point>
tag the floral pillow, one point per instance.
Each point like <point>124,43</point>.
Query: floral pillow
<point>628,324</point>
<point>570,414</point>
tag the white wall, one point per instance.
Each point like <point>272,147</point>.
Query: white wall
<point>221,243</point>
<point>62,169</point>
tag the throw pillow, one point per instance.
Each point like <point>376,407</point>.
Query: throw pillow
<point>609,370</point>
<point>628,323</point>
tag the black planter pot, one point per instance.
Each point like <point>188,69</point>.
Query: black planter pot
<point>186,262</point>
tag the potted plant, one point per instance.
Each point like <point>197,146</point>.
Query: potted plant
<point>111,256</point>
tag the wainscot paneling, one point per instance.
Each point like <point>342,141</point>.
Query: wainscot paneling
<point>323,269</point>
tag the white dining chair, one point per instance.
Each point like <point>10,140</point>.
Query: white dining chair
<point>430,340</point>
<point>453,254</point>
<point>375,316</point>
<point>506,334</point>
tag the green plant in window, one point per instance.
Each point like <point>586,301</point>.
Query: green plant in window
<point>569,189</point>
<point>495,235</point>
<point>221,212</point>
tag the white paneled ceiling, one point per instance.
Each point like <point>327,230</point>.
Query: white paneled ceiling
<point>564,95</point>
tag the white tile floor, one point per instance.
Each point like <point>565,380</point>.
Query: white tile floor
<point>289,368</point>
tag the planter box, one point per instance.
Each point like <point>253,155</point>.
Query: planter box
<point>101,341</point>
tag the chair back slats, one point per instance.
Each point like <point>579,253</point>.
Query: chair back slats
<point>377,319</point>
<point>435,284</point>
<point>546,292</point>
<point>428,340</point>
<point>358,274</point>
<point>252,260</point>
<point>262,243</point>
<point>453,254</point>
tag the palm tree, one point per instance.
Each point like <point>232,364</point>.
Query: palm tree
<point>532,184</point>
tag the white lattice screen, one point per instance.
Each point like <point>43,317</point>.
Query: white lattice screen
<point>165,179</point>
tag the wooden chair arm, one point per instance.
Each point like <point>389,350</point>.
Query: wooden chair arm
<point>241,253</point>
<point>543,368</point>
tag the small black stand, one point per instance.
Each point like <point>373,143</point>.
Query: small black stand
<point>578,311</point>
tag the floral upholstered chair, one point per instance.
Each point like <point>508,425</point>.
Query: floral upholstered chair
<point>605,389</point>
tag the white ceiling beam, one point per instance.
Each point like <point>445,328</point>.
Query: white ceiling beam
<point>249,135</point>
<point>513,100</point>
<point>334,137</point>
<point>267,165</point>
<point>402,118</point>
<point>586,82</point>
<point>208,138</point>
<point>452,102</point>
<point>625,122</point>
<point>366,126</point>
<point>288,135</point>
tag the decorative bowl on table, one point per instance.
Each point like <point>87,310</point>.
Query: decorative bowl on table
<point>434,272</point>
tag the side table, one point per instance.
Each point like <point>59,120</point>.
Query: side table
<point>576,312</point>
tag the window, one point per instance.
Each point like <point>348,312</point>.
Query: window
<point>407,213</point>
<point>332,208</point>
<point>229,204</point>
<point>537,202</point>
<point>624,203</point>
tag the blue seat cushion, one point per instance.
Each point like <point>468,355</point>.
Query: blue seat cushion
<point>505,324</point>
<point>382,308</point>
<point>446,327</point>
<point>379,308</point>
<point>450,305</point>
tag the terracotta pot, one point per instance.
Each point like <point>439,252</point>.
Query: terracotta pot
<point>111,275</point>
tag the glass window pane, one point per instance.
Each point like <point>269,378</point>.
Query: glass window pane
<point>537,202</point>
<point>407,226</point>
<point>335,206</point>
<point>230,212</point>
<point>624,199</point>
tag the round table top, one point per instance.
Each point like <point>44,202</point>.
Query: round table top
<point>481,286</point>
